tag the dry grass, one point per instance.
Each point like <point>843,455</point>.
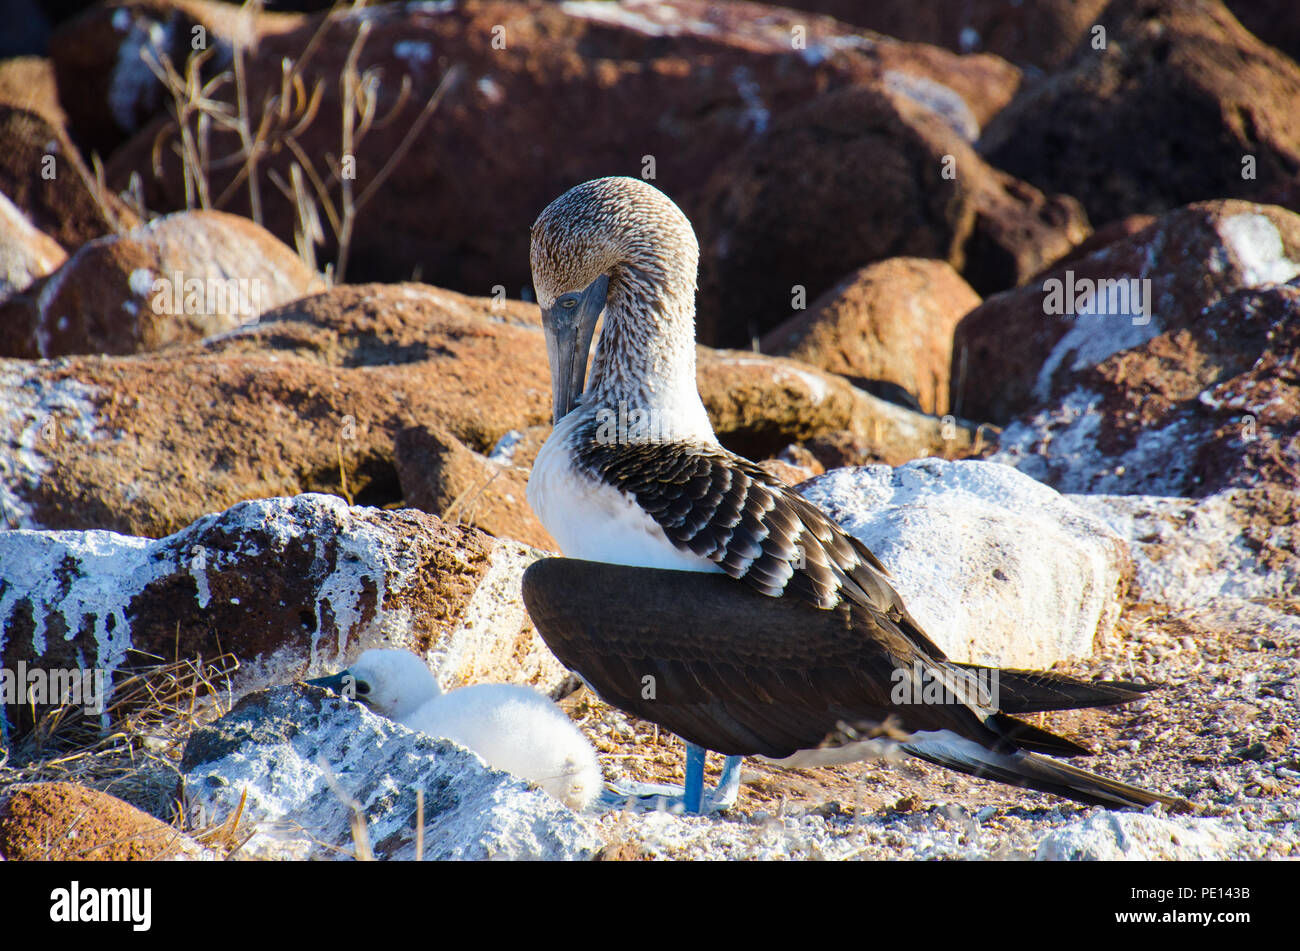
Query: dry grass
<point>151,715</point>
<point>199,107</point>
<point>226,837</point>
<point>361,850</point>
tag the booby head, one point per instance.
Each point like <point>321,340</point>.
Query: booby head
<point>618,242</point>
<point>392,683</point>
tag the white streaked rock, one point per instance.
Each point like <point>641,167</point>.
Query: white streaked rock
<point>997,568</point>
<point>303,756</point>
<point>289,585</point>
<point>1194,557</point>
<point>1135,837</point>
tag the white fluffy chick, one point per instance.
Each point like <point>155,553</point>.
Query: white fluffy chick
<point>513,728</point>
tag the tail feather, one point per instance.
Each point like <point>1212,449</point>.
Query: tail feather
<point>1029,737</point>
<point>1034,691</point>
<point>1031,771</point>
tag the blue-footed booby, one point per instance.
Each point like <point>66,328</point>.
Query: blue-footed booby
<point>514,729</point>
<point>703,594</point>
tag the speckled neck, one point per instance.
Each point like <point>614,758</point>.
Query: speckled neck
<point>645,358</point>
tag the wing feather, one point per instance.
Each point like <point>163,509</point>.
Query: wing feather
<point>759,530</point>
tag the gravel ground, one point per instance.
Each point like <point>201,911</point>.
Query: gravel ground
<point>1221,734</point>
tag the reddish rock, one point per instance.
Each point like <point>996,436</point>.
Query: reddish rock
<point>103,73</point>
<point>312,396</point>
<point>795,209</point>
<point>888,321</point>
<point>41,171</point>
<point>759,405</point>
<point>593,89</point>
<point>1038,33</point>
<point>1106,235</point>
<point>841,448</point>
<point>66,823</point>
<point>1018,232</point>
<point>289,586</point>
<point>177,279</point>
<point>1182,76</point>
<point>795,464</point>
<point>27,82</point>
<point>785,471</point>
<point>1204,398</point>
<point>1276,22</point>
<point>1192,411</point>
<point>25,254</point>
<point>439,474</point>
<point>1226,565</point>
<point>1018,350</point>
<point>521,446</point>
<point>1256,409</point>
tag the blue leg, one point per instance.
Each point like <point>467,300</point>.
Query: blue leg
<point>724,796</point>
<point>693,788</point>
<point>690,799</point>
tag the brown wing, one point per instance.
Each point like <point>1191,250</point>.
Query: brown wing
<point>725,508</point>
<point>740,673</point>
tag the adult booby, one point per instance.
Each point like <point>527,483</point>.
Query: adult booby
<point>514,729</point>
<point>703,594</point>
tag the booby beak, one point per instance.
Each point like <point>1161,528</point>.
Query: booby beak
<point>569,324</point>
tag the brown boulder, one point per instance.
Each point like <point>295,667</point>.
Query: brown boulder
<point>64,822</point>
<point>27,82</point>
<point>1107,234</point>
<point>99,57</point>
<point>312,399</point>
<point>1026,347</point>
<point>760,404</point>
<point>591,89</point>
<point>180,278</point>
<point>892,321</point>
<point>1276,22</point>
<point>440,474</point>
<point>1209,405</point>
<point>841,448</point>
<point>793,465</point>
<point>309,399</point>
<point>521,446</point>
<point>289,586</point>
<point>1039,33</point>
<point>796,209</point>
<point>41,170</point>
<point>1225,565</point>
<point>1255,403</point>
<point>1018,232</point>
<point>25,254</point>
<point>1214,106</point>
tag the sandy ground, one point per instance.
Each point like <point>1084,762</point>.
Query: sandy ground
<point>1221,734</point>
